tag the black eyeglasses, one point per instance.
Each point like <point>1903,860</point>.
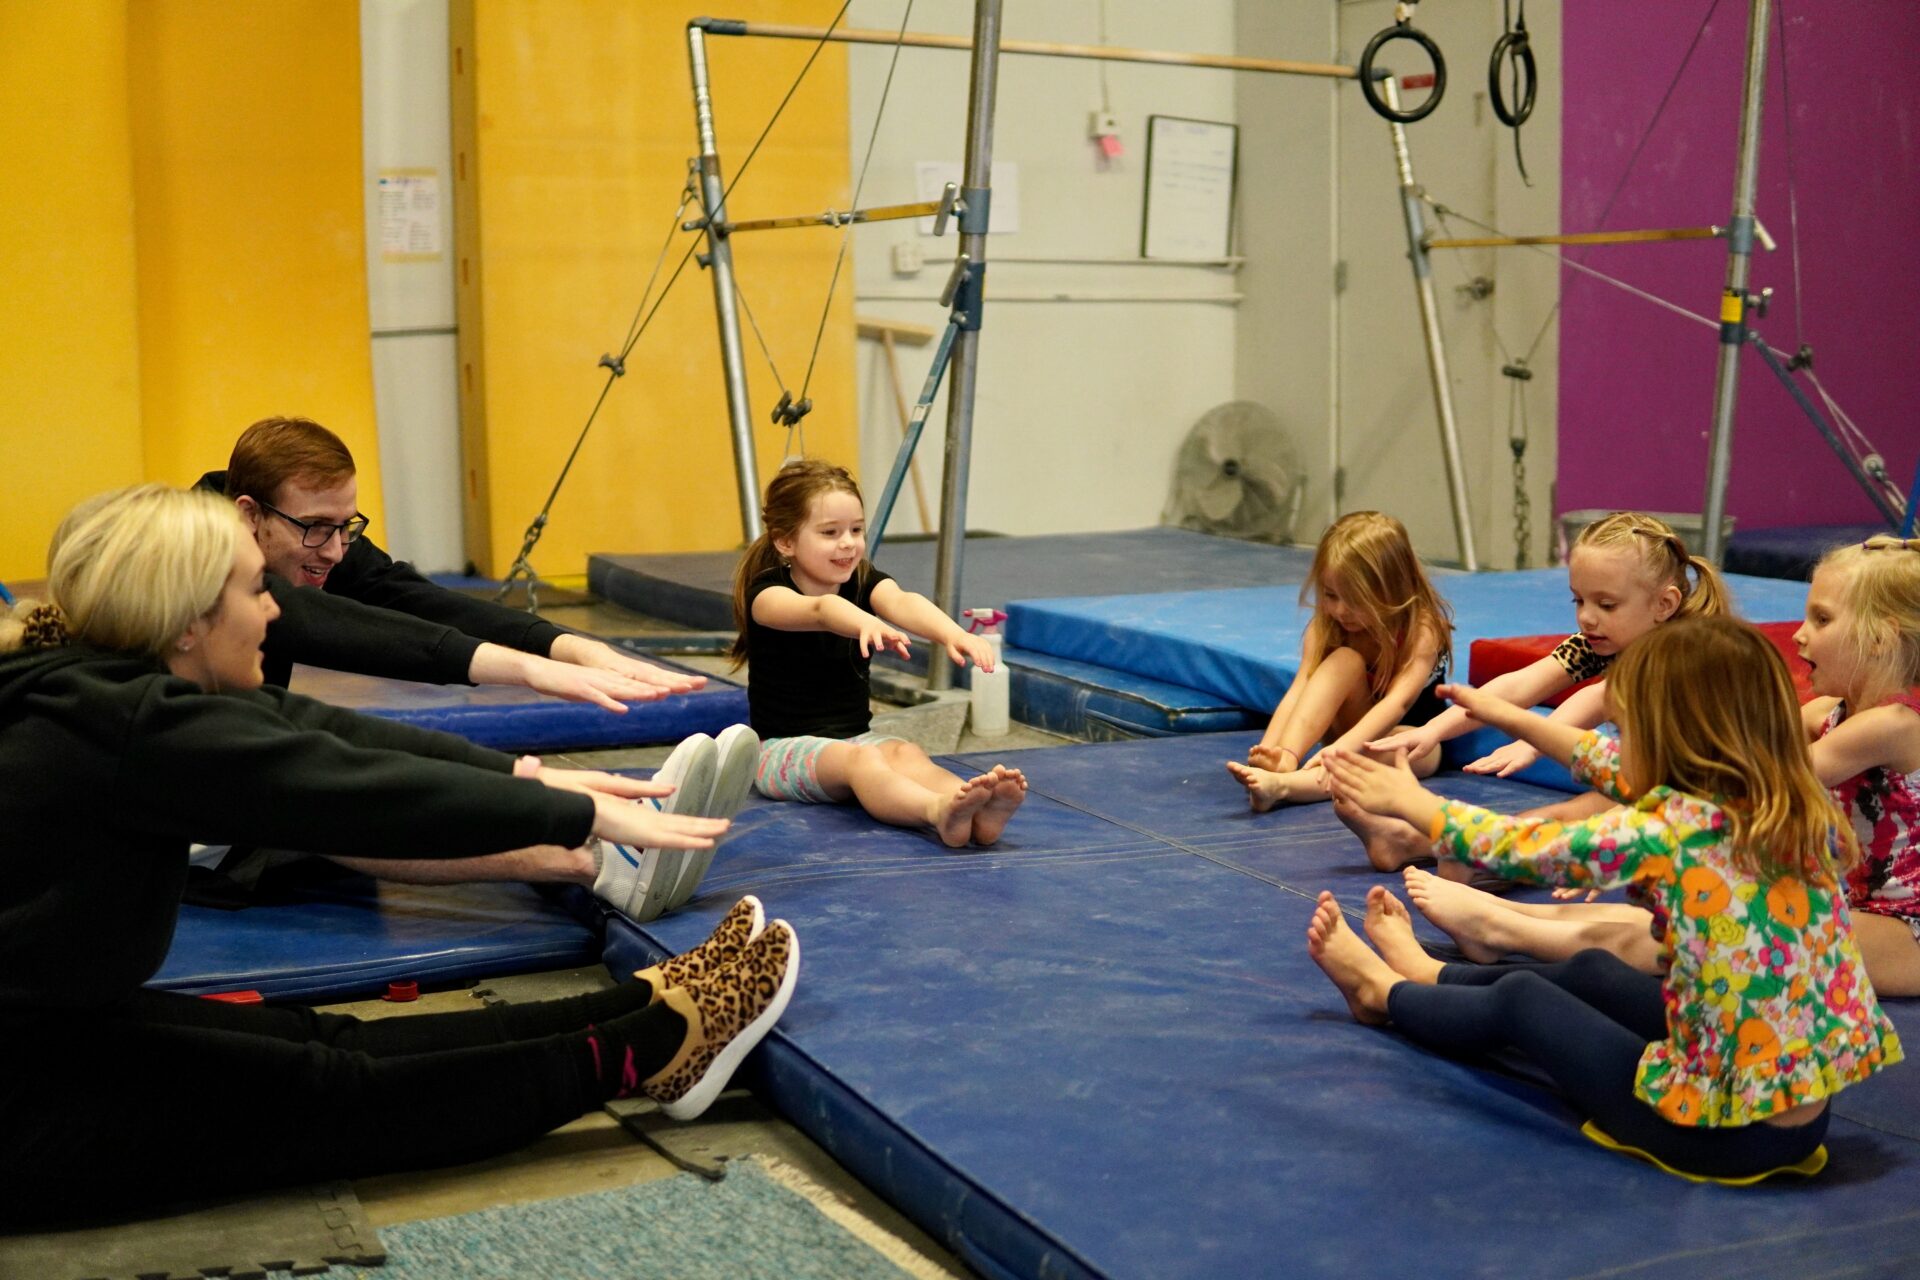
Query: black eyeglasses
<point>315,533</point>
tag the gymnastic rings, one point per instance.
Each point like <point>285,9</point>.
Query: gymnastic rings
<point>1516,46</point>
<point>1402,29</point>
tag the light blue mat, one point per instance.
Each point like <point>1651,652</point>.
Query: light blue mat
<point>678,1228</point>
<point>1243,643</point>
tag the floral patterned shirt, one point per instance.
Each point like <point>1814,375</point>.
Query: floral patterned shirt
<point>1884,808</point>
<point>1768,1004</point>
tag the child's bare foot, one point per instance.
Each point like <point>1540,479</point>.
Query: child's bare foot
<point>1391,843</point>
<point>1009,789</point>
<point>953,811</point>
<point>1391,930</point>
<point>1362,977</point>
<point>1265,788</point>
<point>1471,918</point>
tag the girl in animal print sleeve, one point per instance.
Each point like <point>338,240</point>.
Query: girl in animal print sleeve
<point>1723,1067</point>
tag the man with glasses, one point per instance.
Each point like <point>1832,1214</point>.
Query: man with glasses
<point>347,605</point>
<point>294,482</point>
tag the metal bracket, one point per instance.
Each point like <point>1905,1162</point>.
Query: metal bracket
<point>949,201</point>
<point>955,278</point>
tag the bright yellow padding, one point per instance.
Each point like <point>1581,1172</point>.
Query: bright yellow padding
<point>1806,1168</point>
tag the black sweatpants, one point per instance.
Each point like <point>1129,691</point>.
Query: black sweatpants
<point>1585,1022</point>
<point>169,1097</point>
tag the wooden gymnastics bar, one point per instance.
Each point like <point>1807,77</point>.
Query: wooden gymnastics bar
<point>1036,48</point>
<point>880,213</point>
<point>1581,237</point>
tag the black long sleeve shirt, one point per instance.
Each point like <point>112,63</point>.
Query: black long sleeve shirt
<point>112,767</point>
<point>405,627</point>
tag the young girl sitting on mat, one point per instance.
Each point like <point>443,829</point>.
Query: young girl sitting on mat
<point>1628,572</point>
<point>812,610</point>
<point>1861,637</point>
<point>131,704</point>
<point>1376,647</point>
<point>1723,1068</point>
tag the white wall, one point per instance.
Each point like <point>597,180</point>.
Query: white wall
<point>1080,404</point>
<point>407,125</point>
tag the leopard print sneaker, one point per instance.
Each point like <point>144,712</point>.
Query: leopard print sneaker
<point>723,946</point>
<point>727,1013</point>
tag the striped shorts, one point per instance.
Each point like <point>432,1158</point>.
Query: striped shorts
<point>790,767</point>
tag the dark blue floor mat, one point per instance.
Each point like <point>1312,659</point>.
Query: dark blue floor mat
<point>1101,1049</point>
<point>510,718</point>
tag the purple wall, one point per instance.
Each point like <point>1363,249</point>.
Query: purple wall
<point>1636,382</point>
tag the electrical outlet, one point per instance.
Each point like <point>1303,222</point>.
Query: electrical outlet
<point>1103,124</point>
<point>907,258</point>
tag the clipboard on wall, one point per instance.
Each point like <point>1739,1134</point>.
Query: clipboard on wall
<point>1191,173</point>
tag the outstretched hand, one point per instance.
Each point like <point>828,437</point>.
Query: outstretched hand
<point>1414,742</point>
<point>590,781</point>
<point>965,647</point>
<point>1356,779</point>
<point>597,655</point>
<point>643,826</point>
<point>876,636</point>
<point>1504,761</point>
<point>1482,706</point>
<point>608,689</point>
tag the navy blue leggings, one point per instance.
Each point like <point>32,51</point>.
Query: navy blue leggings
<point>167,1097</point>
<point>1585,1022</point>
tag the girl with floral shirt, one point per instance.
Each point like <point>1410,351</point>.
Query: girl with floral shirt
<point>1723,1067</point>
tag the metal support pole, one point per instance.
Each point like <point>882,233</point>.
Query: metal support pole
<point>977,197</point>
<point>725,304</point>
<point>1430,330</point>
<point>1733,301</point>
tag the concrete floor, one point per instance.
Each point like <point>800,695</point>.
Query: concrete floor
<point>595,1153</point>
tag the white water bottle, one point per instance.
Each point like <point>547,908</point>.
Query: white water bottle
<point>989,713</point>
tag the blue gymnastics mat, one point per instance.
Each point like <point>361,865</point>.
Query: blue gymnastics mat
<point>1244,644</point>
<point>509,718</point>
<point>1792,552</point>
<point>1101,1049</point>
<point>337,937</point>
<point>696,589</point>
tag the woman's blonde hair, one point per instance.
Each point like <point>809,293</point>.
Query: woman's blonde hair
<point>1882,602</point>
<point>1705,706</point>
<point>131,570</point>
<point>1664,561</point>
<point>790,498</point>
<point>1369,554</point>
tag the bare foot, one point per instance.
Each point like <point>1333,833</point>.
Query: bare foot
<point>1391,929</point>
<point>953,811</point>
<point>1391,843</point>
<point>1009,790</point>
<point>1471,918</point>
<point>1265,788</point>
<point>1362,977</point>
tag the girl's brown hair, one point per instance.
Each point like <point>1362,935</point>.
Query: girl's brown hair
<point>1664,561</point>
<point>790,497</point>
<point>1369,554</point>
<point>1882,601</point>
<point>1705,706</point>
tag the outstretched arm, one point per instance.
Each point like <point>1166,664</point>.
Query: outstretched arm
<point>596,655</point>
<point>914,612</point>
<point>1584,709</point>
<point>1553,738</point>
<point>785,609</point>
<point>1525,687</point>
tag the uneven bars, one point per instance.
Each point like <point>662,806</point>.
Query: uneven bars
<point>1036,48</point>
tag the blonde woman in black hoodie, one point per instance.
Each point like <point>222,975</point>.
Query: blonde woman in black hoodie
<point>131,722</point>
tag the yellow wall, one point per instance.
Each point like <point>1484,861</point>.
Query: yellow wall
<point>69,394</point>
<point>573,127</point>
<point>249,220</point>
